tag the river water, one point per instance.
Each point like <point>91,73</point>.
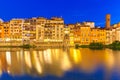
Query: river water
<point>59,64</point>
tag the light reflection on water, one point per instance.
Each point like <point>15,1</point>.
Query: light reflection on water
<point>57,61</point>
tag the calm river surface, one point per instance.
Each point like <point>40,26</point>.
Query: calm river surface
<point>59,64</point>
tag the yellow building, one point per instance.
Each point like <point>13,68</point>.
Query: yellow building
<point>85,35</point>
<point>98,35</point>
<point>67,36</point>
<point>111,36</point>
<point>6,27</point>
<point>117,34</point>
<point>82,34</point>
<point>77,33</point>
<point>71,34</point>
<point>4,31</point>
<point>102,33</point>
<point>116,25</point>
<point>40,28</point>
<point>95,35</point>
<point>50,30</point>
<point>1,32</point>
<point>30,28</point>
<point>26,33</point>
<point>16,29</point>
<point>54,30</point>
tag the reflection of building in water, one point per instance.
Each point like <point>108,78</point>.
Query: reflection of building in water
<point>48,56</point>
<point>54,61</point>
<point>109,59</point>
<point>116,56</point>
<point>28,59</point>
<point>19,62</point>
<point>65,62</point>
<point>8,59</point>
<point>15,64</point>
<point>92,59</point>
<point>3,62</point>
<point>75,56</point>
<point>36,62</point>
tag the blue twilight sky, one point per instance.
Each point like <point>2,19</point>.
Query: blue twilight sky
<point>71,10</point>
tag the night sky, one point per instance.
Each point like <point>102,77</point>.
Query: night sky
<point>71,10</point>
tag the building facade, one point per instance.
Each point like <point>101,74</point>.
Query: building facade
<point>110,36</point>
<point>43,30</point>
<point>85,35</point>
<point>98,35</point>
<point>71,33</point>
<point>16,29</point>
<point>6,27</point>
<point>50,30</point>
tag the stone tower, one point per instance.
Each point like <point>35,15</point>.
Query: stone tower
<point>107,21</point>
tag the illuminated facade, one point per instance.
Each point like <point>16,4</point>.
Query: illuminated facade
<point>77,33</point>
<point>54,30</point>
<point>91,24</point>
<point>26,32</point>
<point>50,30</point>
<point>85,36</point>
<point>6,27</point>
<point>1,32</point>
<point>40,29</point>
<point>30,29</point>
<point>98,35</point>
<point>102,38</point>
<point>118,34</point>
<point>43,30</point>
<point>16,29</point>
<point>82,32</point>
<point>110,36</point>
<point>4,31</point>
<point>67,36</point>
<point>71,33</point>
<point>116,25</point>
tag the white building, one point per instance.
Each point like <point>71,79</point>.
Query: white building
<point>91,24</point>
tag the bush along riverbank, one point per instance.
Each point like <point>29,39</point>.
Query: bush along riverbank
<point>115,45</point>
<point>91,46</point>
<point>96,46</point>
<point>27,46</point>
<point>81,46</point>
